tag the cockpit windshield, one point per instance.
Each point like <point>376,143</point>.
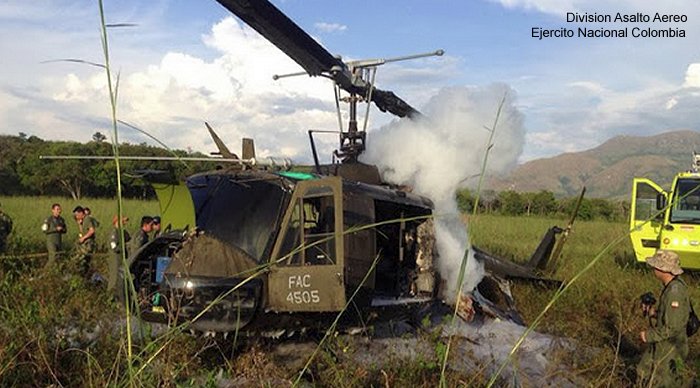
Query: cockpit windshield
<point>242,213</point>
<point>686,202</point>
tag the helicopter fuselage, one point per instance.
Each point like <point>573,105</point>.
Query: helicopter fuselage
<point>257,248</point>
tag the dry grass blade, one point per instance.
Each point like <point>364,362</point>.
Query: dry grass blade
<point>154,139</point>
<point>120,214</point>
<point>119,25</point>
<point>82,61</point>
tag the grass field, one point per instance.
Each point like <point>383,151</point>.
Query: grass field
<point>602,308</point>
<point>600,311</point>
<point>28,213</point>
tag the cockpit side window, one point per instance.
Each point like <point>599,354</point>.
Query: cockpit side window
<point>309,236</point>
<point>319,231</point>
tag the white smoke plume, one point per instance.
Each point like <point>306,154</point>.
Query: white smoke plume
<point>443,152</point>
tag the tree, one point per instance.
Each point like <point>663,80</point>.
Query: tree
<point>465,201</point>
<point>52,177</point>
<point>11,154</point>
<point>98,137</point>
<point>512,203</point>
<point>603,209</point>
<point>543,203</point>
<point>585,211</point>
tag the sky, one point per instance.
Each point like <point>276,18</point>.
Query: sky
<point>185,62</point>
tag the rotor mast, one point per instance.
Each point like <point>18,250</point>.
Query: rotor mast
<point>278,29</point>
<point>361,75</point>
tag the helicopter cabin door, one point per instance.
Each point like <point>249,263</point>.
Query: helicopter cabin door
<point>176,206</point>
<point>307,269</point>
<point>646,219</point>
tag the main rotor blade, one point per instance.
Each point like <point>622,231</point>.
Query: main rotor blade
<point>387,101</point>
<point>281,31</point>
<point>276,27</point>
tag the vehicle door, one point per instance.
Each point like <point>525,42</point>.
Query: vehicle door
<point>176,206</point>
<point>306,272</point>
<point>646,220</point>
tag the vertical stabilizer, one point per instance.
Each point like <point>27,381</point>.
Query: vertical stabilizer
<point>248,148</point>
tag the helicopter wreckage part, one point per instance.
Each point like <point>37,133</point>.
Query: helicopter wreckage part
<point>176,210</point>
<point>281,31</point>
<point>511,270</point>
<point>247,146</point>
<point>197,279</point>
<point>245,219</point>
<point>220,145</point>
<point>268,161</point>
<point>223,260</point>
<point>543,253</point>
<point>248,149</point>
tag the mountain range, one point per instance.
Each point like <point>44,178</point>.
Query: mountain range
<point>607,170</point>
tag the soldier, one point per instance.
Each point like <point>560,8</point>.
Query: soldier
<point>156,226</point>
<point>85,246</point>
<point>54,227</point>
<point>141,237</point>
<point>5,230</point>
<point>115,245</point>
<point>88,212</point>
<point>662,362</point>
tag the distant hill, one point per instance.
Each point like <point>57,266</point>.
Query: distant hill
<point>608,169</point>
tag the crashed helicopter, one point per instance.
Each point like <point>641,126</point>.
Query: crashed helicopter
<point>261,247</point>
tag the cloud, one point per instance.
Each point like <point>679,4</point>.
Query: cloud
<point>546,6</point>
<point>673,101</point>
<point>171,98</point>
<point>330,27</point>
<point>230,86</point>
<point>594,113</point>
<point>588,86</point>
<point>173,79</point>
<point>692,76</point>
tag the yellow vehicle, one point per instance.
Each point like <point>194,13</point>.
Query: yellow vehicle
<point>667,220</point>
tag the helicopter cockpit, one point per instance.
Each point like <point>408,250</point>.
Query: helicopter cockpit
<point>243,212</point>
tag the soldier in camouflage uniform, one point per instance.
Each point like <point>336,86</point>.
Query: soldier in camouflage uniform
<point>141,236</point>
<point>156,227</point>
<point>115,245</point>
<point>667,342</point>
<point>54,227</point>
<point>85,246</point>
<point>88,212</point>
<point>5,230</point>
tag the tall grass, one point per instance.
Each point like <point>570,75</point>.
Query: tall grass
<point>600,307</point>
<point>113,89</point>
<point>599,311</point>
